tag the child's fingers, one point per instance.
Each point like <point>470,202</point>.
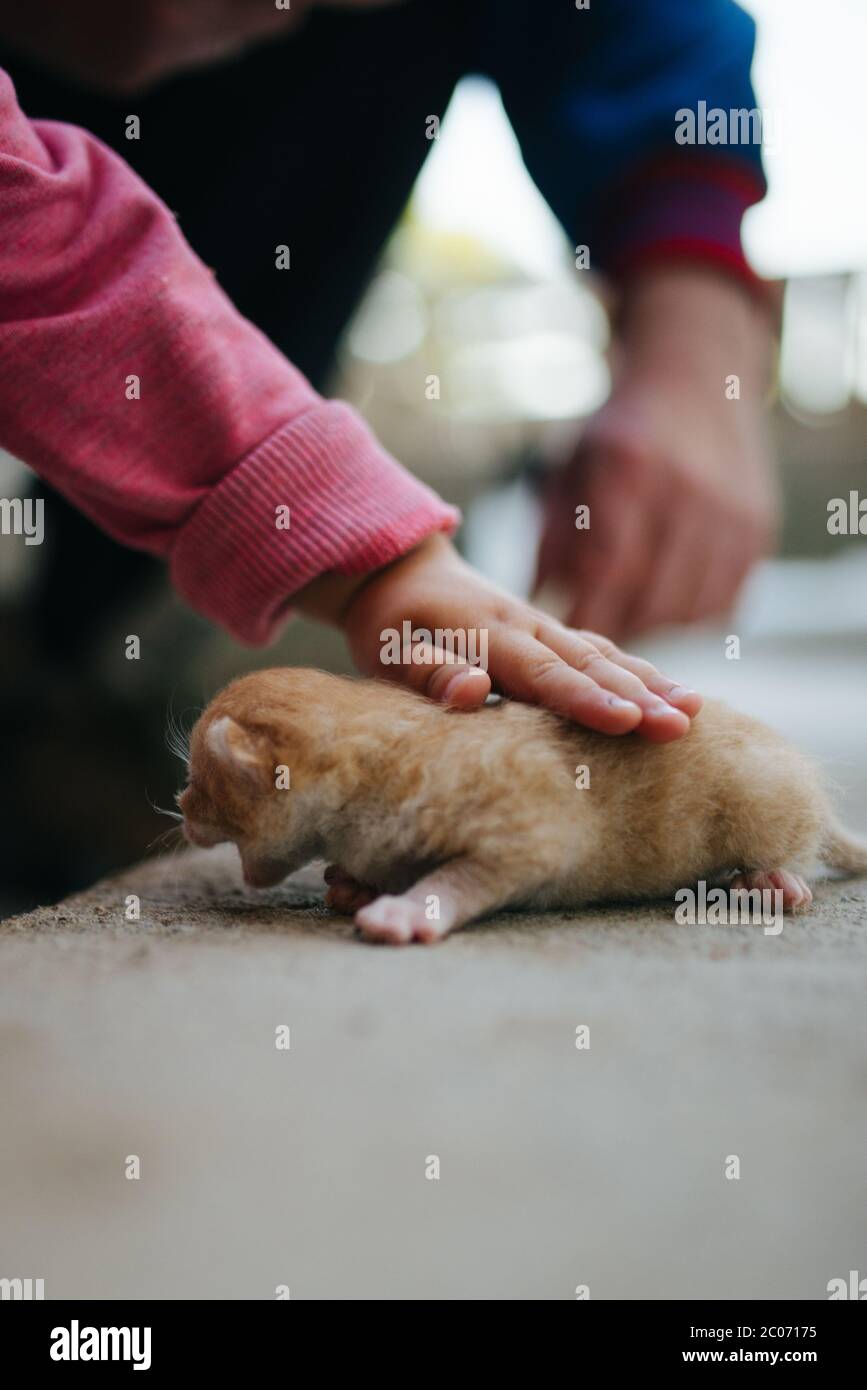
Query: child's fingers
<point>435,673</point>
<point>660,720</point>
<point>531,671</point>
<point>460,685</point>
<point>678,695</point>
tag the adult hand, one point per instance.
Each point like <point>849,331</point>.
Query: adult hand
<point>675,468</point>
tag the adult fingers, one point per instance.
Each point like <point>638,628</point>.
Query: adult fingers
<point>609,561</point>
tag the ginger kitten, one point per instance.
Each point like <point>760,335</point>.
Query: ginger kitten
<point>431,817</point>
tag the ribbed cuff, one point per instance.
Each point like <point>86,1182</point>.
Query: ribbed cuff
<point>352,509</point>
<point>686,208</point>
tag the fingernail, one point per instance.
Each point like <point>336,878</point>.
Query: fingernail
<point>680,692</point>
<point>662,707</point>
<point>453,684</point>
<point>616,703</point>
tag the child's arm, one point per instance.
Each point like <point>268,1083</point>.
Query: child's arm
<point>131,384</point>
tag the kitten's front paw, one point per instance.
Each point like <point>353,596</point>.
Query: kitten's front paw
<point>345,894</point>
<point>396,921</point>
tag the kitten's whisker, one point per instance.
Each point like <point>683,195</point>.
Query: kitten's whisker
<point>177,737</point>
<point>170,839</point>
<point>161,810</point>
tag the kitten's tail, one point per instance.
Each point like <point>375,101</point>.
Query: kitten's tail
<point>843,851</point>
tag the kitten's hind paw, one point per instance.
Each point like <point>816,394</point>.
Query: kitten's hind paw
<point>796,892</point>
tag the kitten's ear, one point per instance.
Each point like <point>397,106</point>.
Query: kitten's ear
<point>235,746</point>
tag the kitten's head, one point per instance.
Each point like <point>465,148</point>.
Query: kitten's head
<point>254,769</point>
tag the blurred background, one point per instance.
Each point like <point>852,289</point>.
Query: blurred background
<point>478,285</point>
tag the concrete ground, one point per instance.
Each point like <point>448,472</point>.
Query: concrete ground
<point>559,1167</point>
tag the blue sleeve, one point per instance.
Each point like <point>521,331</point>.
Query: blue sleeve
<point>592,94</point>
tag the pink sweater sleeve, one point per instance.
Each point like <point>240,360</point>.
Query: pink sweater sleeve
<point>97,285</point>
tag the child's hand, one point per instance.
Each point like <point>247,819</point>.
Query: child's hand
<point>530,655</point>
